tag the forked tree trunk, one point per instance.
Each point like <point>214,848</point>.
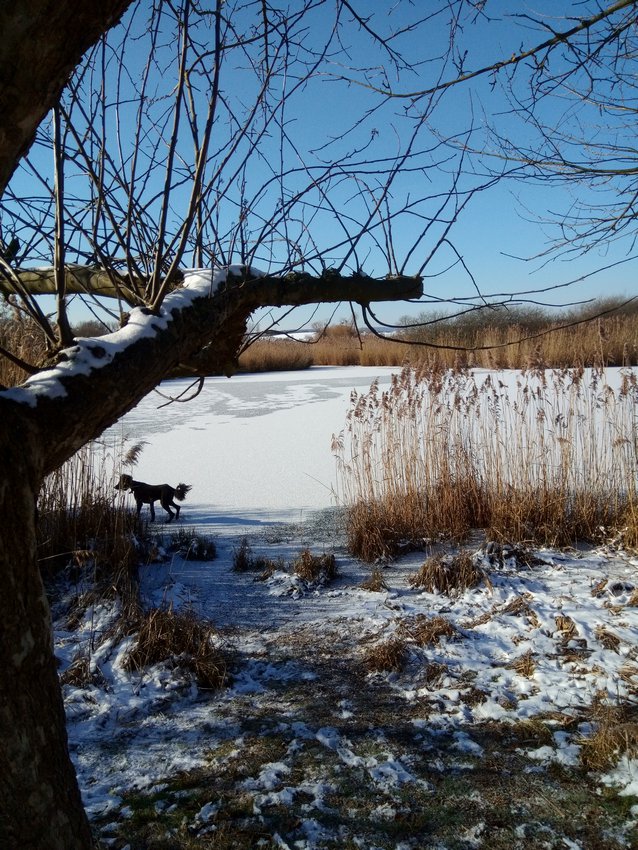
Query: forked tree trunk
<point>41,807</point>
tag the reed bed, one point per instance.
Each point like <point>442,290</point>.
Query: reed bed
<point>81,522</point>
<point>494,338</point>
<point>542,456</point>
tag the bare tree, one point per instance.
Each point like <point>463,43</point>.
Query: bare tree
<point>188,138</point>
<point>560,110</point>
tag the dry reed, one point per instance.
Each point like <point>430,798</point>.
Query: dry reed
<point>548,457</point>
<point>80,521</point>
<point>388,656</point>
<point>492,339</point>
<point>449,575</point>
<point>375,583</point>
<point>426,631</point>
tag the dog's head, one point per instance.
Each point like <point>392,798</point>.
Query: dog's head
<point>124,482</point>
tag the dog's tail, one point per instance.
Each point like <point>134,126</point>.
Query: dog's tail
<point>181,490</point>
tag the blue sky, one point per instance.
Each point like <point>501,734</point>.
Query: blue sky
<point>496,232</point>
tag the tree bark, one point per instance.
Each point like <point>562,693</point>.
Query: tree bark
<point>40,804</point>
<point>42,424</point>
<point>42,42</point>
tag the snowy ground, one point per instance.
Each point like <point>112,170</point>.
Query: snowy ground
<point>476,742</point>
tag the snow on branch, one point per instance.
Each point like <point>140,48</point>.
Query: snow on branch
<point>201,323</point>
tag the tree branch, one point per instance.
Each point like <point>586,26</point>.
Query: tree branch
<point>201,324</point>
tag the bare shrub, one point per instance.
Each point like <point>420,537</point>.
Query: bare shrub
<point>315,569</point>
<point>387,656</point>
<point>449,575</point>
<point>168,635</point>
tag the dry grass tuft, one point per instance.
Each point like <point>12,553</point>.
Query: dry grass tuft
<point>608,639</point>
<point>375,582</point>
<point>434,671</point>
<point>524,665</point>
<point>192,546</point>
<point>520,607</point>
<point>566,626</point>
<point>473,697</point>
<point>245,561</point>
<point>386,657</point>
<point>616,734</point>
<point>315,569</point>
<point>599,588</point>
<point>424,630</point>
<point>451,576</point>
<point>182,638</point>
<point>79,673</point>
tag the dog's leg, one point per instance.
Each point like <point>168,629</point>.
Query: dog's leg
<point>166,504</point>
<point>151,505</point>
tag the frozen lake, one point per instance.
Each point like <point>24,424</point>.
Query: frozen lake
<point>255,448</point>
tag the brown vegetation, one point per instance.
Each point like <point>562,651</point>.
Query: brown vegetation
<point>548,457</point>
<point>315,568</point>
<point>615,734</point>
<point>449,575</point>
<point>182,639</point>
<point>495,338</point>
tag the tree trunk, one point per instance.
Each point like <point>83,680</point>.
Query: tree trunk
<point>42,42</point>
<point>40,804</point>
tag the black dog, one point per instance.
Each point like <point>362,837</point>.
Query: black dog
<point>151,493</point>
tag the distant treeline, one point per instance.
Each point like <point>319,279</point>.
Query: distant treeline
<point>601,333</point>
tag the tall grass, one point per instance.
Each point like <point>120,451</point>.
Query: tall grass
<point>549,457</point>
<point>79,519</point>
